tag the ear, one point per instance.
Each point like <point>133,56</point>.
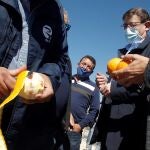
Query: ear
<point>147,24</point>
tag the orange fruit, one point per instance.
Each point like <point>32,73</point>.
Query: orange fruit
<point>116,64</point>
<point>122,64</point>
<point>112,64</point>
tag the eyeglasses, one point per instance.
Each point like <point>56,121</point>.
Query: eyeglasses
<point>131,24</point>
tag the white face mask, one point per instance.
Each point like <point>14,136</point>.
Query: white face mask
<point>132,35</point>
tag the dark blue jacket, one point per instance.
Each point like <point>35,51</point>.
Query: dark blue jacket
<point>48,54</point>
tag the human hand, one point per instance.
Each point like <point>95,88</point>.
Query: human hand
<point>105,89</point>
<point>43,96</point>
<point>8,80</point>
<point>76,128</point>
<point>134,72</point>
<point>101,80</point>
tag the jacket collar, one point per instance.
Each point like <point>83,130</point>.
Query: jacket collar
<point>144,43</point>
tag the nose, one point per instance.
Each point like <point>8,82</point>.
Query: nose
<point>85,67</point>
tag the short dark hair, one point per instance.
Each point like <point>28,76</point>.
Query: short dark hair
<point>91,58</point>
<point>142,13</point>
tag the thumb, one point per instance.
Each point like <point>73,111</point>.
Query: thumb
<point>15,72</point>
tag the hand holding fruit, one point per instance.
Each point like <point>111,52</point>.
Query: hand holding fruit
<point>33,85</point>
<point>37,89</point>
<point>116,64</point>
<point>134,73</point>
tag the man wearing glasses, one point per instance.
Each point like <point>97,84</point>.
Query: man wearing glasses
<point>124,119</point>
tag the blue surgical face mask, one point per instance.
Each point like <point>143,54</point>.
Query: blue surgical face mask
<point>132,35</point>
<point>82,73</point>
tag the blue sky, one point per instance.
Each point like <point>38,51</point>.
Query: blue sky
<point>96,29</point>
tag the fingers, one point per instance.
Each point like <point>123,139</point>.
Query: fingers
<point>15,72</point>
<point>39,98</point>
<point>134,72</point>
<point>45,95</point>
<point>7,79</point>
<point>48,91</point>
<point>7,82</point>
<point>104,89</point>
<point>129,57</point>
<point>5,89</point>
<point>101,79</point>
<point>119,74</point>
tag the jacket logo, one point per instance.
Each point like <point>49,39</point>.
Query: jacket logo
<point>47,31</point>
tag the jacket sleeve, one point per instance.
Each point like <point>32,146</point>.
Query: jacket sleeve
<point>55,61</point>
<point>92,114</point>
<point>55,70</point>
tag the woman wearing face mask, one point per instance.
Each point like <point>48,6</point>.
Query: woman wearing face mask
<point>123,120</point>
<point>85,101</point>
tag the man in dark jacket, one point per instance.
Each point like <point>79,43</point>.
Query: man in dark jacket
<point>33,34</point>
<point>123,116</point>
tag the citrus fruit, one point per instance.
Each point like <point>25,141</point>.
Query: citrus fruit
<point>32,85</point>
<point>112,64</point>
<point>116,64</point>
<point>122,64</point>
